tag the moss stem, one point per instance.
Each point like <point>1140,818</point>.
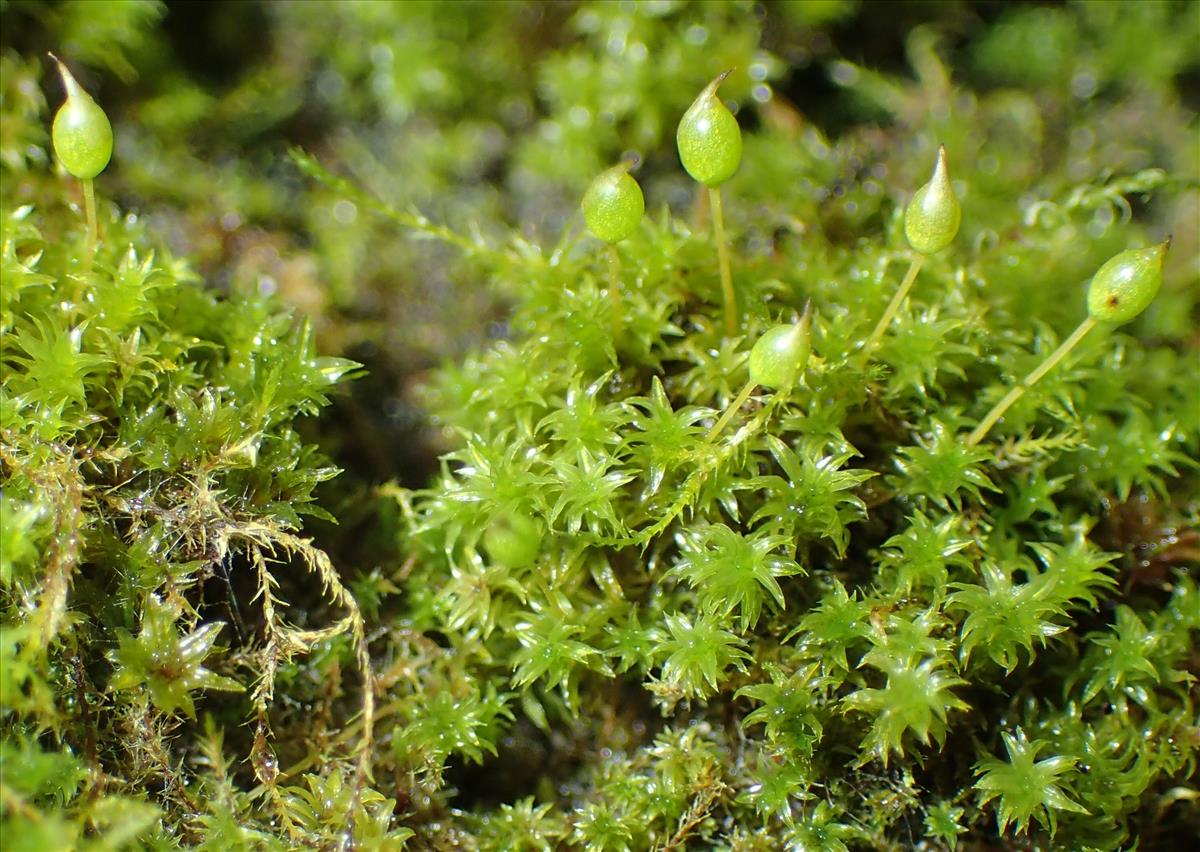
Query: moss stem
<point>894,305</point>
<point>1042,369</point>
<point>614,284</point>
<point>730,410</point>
<point>718,217</point>
<point>89,204</point>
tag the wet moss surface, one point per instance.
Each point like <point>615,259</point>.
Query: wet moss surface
<point>354,495</point>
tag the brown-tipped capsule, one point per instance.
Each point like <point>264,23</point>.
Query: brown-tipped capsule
<point>1127,284</point>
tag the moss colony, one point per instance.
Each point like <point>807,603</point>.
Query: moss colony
<point>691,530</point>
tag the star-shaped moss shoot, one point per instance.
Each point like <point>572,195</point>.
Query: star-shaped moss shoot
<point>1120,290</point>
<point>83,142</point>
<point>1025,787</point>
<point>710,148</point>
<point>168,664</point>
<point>931,222</point>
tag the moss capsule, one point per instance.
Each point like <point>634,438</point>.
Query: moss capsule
<point>613,205</point>
<point>932,217</point>
<point>513,540</point>
<point>1120,290</point>
<point>709,139</point>
<point>82,136</point>
<point>1126,285</point>
<point>780,355</point>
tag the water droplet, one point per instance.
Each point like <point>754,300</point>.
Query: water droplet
<point>843,73</point>
<point>345,212</point>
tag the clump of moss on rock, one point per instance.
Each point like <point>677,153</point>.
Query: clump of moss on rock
<point>672,586</point>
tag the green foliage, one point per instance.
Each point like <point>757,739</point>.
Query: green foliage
<point>731,572</point>
<point>939,468</point>
<point>170,666</point>
<point>697,654</point>
<point>153,486</point>
<point>672,583</point>
<point>1026,787</point>
<point>915,698</point>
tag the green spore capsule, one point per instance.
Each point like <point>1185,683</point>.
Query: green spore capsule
<point>514,540</point>
<point>932,217</point>
<point>82,136</point>
<point>1126,285</point>
<point>780,355</point>
<point>709,139</point>
<point>1120,290</point>
<point>613,205</point>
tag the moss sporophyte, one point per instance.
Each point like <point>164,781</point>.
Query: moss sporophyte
<point>83,142</point>
<point>777,361</point>
<point>744,568</point>
<point>613,207</point>
<point>1120,290</point>
<point>931,222</point>
<point>710,147</point>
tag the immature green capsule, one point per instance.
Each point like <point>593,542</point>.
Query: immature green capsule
<point>932,217</point>
<point>514,540</point>
<point>709,139</point>
<point>779,357</point>
<point>82,136</point>
<point>1126,285</point>
<point>613,205</point>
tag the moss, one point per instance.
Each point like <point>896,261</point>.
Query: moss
<point>600,622</point>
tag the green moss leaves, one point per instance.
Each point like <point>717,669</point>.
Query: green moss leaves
<point>169,665</point>
<point>1027,788</point>
<point>914,700</point>
<point>609,621</point>
<point>732,573</point>
<point>148,446</point>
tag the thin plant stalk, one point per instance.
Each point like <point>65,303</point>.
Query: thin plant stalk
<point>718,217</point>
<point>730,410</point>
<point>894,306</point>
<point>89,204</point>
<point>614,283</point>
<point>1013,395</point>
